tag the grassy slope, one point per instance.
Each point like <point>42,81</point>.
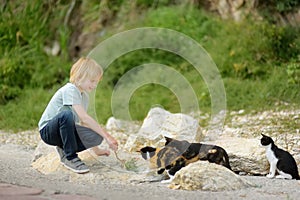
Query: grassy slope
<point>241,51</point>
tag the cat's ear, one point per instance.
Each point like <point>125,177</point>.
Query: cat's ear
<point>147,149</point>
<point>264,135</point>
<point>168,140</point>
<point>161,170</point>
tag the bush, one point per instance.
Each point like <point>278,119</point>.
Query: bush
<point>281,5</point>
<point>239,49</point>
<point>25,28</point>
<point>293,72</point>
<point>284,42</point>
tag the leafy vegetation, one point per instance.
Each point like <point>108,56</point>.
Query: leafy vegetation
<point>25,29</point>
<point>281,5</point>
<point>258,60</point>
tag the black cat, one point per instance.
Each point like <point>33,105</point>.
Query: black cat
<point>280,161</point>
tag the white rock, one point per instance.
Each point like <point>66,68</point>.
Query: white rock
<point>46,159</point>
<point>241,112</point>
<point>203,175</point>
<point>121,129</point>
<point>245,154</point>
<point>42,149</point>
<point>160,123</point>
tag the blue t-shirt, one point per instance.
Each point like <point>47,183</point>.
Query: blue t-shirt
<point>63,99</point>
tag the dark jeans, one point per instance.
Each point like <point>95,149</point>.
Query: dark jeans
<point>63,132</point>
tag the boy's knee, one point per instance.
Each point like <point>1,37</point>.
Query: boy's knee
<point>67,115</point>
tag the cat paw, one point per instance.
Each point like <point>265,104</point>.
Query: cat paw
<point>284,177</point>
<point>166,181</point>
<point>270,176</point>
<point>279,177</point>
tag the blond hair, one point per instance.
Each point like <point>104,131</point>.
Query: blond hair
<point>85,68</point>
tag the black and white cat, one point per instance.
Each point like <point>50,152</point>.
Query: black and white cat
<point>280,160</point>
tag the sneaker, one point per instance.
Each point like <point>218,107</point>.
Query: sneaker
<point>76,165</point>
<point>61,154</point>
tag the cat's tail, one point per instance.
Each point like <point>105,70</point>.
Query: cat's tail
<point>226,160</point>
<point>295,175</point>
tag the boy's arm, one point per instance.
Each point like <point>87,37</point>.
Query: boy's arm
<point>88,121</point>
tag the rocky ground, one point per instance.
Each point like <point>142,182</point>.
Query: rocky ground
<point>17,150</point>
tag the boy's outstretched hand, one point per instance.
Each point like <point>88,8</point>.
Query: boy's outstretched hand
<point>100,152</point>
<point>112,142</point>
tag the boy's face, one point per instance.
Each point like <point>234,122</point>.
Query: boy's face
<point>89,84</point>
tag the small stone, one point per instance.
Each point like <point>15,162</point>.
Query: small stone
<point>241,112</point>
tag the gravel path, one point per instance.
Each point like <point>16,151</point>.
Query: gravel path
<point>16,153</point>
<point>15,169</point>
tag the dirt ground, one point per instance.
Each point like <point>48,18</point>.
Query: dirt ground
<point>15,166</point>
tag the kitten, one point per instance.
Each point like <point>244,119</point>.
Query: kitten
<point>200,151</point>
<point>177,154</point>
<point>280,161</point>
<point>167,159</point>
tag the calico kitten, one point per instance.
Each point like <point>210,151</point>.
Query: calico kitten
<point>167,159</point>
<point>177,154</point>
<point>199,151</point>
<point>160,158</point>
<point>280,160</point>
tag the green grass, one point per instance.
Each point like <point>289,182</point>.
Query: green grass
<point>24,112</point>
<point>254,75</point>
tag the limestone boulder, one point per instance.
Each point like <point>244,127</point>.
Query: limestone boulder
<point>160,123</point>
<point>121,129</point>
<point>42,149</point>
<point>109,168</point>
<point>235,9</point>
<point>46,159</point>
<point>203,175</point>
<point>246,155</point>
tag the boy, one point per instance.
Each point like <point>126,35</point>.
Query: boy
<point>65,122</point>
